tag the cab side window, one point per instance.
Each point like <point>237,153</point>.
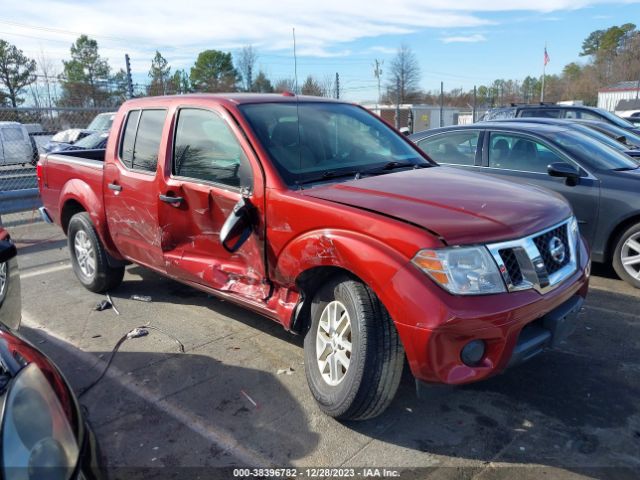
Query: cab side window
<point>514,152</point>
<point>141,139</point>
<point>206,149</point>
<point>457,148</point>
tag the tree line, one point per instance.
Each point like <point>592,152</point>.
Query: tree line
<point>87,80</point>
<point>611,55</point>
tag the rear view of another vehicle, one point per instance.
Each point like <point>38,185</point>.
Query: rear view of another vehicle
<point>43,434</point>
<point>16,147</point>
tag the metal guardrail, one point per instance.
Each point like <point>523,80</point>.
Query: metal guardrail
<point>19,200</point>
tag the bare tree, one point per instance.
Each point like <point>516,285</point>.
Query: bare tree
<point>285,85</point>
<point>246,66</point>
<point>44,89</point>
<point>404,76</point>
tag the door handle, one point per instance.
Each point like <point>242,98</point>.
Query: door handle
<point>171,200</point>
<point>115,187</point>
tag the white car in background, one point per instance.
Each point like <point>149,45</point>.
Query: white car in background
<point>16,146</point>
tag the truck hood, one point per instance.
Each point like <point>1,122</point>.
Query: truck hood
<point>460,207</point>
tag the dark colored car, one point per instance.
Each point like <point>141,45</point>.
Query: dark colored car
<point>97,140</point>
<point>629,138</point>
<point>43,433</point>
<point>553,110</point>
<point>601,183</point>
<point>66,137</point>
<point>588,127</point>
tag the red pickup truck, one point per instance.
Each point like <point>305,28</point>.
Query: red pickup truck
<point>320,216</point>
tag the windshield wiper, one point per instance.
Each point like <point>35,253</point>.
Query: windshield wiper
<point>390,166</point>
<point>327,175</point>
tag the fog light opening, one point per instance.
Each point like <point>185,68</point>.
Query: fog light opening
<point>473,353</point>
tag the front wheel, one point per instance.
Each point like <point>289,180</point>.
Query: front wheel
<point>353,356</point>
<point>626,257</point>
<point>88,257</point>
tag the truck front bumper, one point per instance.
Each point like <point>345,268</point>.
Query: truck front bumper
<point>439,330</point>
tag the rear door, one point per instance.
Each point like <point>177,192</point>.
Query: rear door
<point>524,159</point>
<point>131,188</point>
<point>209,172</point>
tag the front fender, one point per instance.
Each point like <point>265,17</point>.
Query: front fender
<point>367,258</point>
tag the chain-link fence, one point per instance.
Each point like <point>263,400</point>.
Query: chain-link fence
<point>25,133</point>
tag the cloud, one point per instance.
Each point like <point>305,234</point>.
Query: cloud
<point>475,38</point>
<point>182,29</point>
<point>385,50</point>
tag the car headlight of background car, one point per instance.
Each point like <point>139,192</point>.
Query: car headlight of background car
<point>461,270</point>
<point>37,439</point>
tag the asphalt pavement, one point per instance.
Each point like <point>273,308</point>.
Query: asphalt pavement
<point>238,396</point>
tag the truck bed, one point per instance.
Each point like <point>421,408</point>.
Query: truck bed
<point>76,169</point>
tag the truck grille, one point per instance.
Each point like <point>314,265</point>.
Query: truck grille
<point>540,261</point>
<point>543,243</point>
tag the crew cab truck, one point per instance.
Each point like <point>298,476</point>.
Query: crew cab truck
<point>320,216</point>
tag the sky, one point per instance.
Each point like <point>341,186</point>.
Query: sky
<point>459,42</point>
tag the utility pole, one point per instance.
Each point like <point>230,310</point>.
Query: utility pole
<point>544,70</point>
<point>377,72</point>
<point>337,86</point>
<point>475,104</point>
<point>398,102</point>
<point>441,103</point>
<point>129,81</point>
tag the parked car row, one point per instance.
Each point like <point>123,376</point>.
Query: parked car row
<point>18,144</point>
<point>594,165</point>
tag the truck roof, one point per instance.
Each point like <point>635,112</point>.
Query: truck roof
<point>227,98</point>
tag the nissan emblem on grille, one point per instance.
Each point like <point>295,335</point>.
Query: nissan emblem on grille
<point>557,250</point>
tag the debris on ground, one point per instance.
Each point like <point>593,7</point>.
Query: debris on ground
<point>141,298</point>
<point>103,305</point>
<point>285,371</point>
<point>113,305</point>
<point>253,402</point>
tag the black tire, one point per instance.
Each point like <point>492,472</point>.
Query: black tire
<point>376,359</point>
<point>104,277</point>
<point>633,231</point>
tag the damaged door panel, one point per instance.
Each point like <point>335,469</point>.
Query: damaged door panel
<point>210,173</point>
<point>130,192</point>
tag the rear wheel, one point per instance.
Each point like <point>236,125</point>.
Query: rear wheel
<point>88,257</point>
<point>353,356</point>
<point>626,257</point>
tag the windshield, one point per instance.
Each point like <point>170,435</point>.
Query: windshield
<point>91,141</point>
<point>631,139</point>
<point>593,152</point>
<point>102,122</point>
<point>328,141</point>
<point>606,139</point>
<point>621,122</point>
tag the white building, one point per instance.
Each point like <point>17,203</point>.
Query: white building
<point>609,97</point>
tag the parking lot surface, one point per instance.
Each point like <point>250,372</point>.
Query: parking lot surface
<point>238,395</point>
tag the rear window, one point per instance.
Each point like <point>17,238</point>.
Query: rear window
<point>141,139</point>
<point>12,134</point>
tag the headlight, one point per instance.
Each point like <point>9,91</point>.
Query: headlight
<point>573,226</point>
<point>461,270</point>
<point>37,440</point>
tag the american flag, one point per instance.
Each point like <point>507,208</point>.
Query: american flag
<point>546,56</point>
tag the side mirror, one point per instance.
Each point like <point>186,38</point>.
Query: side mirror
<point>238,226</point>
<point>10,304</point>
<point>561,169</point>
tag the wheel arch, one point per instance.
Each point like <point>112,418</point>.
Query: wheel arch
<point>616,232</point>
